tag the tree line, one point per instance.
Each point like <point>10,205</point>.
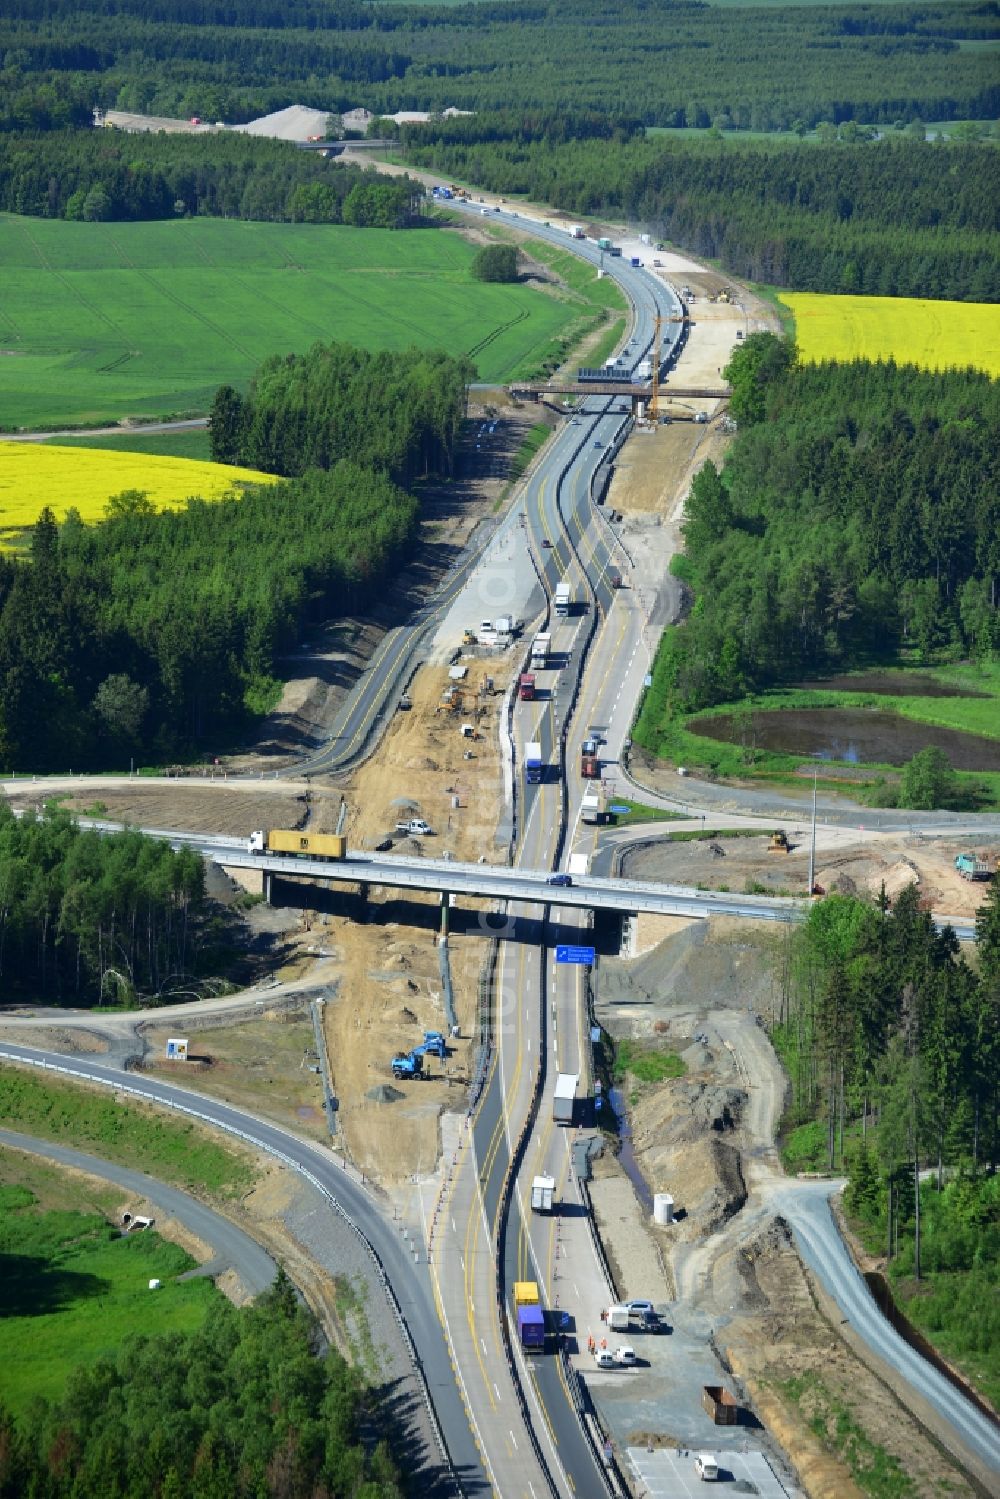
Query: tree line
<point>897,217</point>
<point>678,64</point>
<point>246,1406</point>
<point>397,413</point>
<point>857,512</point>
<point>156,635</point>
<point>86,918</point>
<point>100,175</point>
<point>892,1043</point>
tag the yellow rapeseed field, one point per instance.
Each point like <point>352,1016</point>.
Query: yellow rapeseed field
<point>934,335</point>
<point>33,476</point>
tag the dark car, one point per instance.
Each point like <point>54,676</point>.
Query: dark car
<point>560,879</point>
<point>546,542</point>
<point>598,443</point>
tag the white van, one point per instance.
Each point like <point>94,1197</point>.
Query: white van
<point>604,1358</point>
<point>706,1467</point>
<point>618,1318</point>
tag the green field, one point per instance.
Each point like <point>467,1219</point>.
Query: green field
<point>102,321</point>
<point>72,1288</point>
<point>191,444</point>
<point>124,1132</point>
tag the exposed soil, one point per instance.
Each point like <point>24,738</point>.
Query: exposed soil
<point>197,806</point>
<point>264,1067</point>
<point>859,868</point>
<point>389,981</point>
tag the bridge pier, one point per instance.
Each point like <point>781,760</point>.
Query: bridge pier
<point>445,908</point>
<point>267,884</point>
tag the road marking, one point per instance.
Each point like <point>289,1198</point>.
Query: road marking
<point>513,1438</point>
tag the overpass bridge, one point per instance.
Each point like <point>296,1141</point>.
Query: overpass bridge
<point>524,390</point>
<point>534,886</point>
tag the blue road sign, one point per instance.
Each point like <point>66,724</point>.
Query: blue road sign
<point>575,955</point>
<point>619,809</point>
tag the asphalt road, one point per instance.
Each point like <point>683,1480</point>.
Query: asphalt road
<point>406,1275</point>
<point>231,1247</point>
<point>807,1209</point>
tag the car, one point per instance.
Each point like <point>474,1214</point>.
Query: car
<point>560,879</point>
<point>575,422</point>
<point>706,1467</point>
<point>546,542</point>
<point>701,416</point>
<point>638,1308</point>
<point>604,1358</point>
<point>625,1355</point>
<point>598,443</point>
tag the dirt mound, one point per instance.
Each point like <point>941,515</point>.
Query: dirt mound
<point>385,1093</point>
<point>706,1181</point>
<point>686,1111</point>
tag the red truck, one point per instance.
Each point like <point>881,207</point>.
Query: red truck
<point>526,687</point>
<point>590,765</point>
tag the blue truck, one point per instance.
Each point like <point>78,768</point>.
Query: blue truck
<point>533,762</point>
<point>531,1327</point>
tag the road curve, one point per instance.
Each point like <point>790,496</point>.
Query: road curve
<point>232,1248</point>
<point>406,1275</point>
<point>806,1208</point>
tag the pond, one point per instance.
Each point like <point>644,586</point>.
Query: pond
<point>857,735</point>
<point>892,684</point>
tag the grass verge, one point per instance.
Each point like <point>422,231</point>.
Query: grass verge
<point>645,1062</point>
<point>876,1472</point>
<point>73,1289</point>
<point>119,1130</point>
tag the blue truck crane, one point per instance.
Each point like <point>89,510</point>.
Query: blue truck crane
<point>411,1064</point>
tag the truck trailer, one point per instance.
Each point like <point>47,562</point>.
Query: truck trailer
<point>531,1327</point>
<point>576,231</point>
<point>540,650</point>
<point>542,1188</point>
<point>533,762</point>
<point>562,599</point>
<point>288,842</point>
<point>592,806</point>
<point>564,1097</point>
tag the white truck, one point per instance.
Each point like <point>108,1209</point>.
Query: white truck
<point>562,599</point>
<point>414,827</point>
<point>564,1097</point>
<point>592,806</point>
<point>540,650</point>
<point>576,231</point>
<point>542,1189</point>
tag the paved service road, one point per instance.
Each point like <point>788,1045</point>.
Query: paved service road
<point>407,1276</point>
<point>232,1248</point>
<point>806,1207</point>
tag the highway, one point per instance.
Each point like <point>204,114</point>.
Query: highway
<point>510,1424</point>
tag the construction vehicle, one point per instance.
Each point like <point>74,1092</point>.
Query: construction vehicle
<point>779,843</point>
<point>592,806</point>
<point>971,867</point>
<point>540,650</point>
<point>408,1064</point>
<point>590,765</point>
<point>542,1188</point>
<point>288,842</point>
<point>604,243</point>
<point>469,637</point>
<point>562,600</point>
<point>526,687</point>
<point>564,1097</point>
<point>533,762</point>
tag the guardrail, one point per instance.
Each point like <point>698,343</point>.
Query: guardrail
<point>307,1175</point>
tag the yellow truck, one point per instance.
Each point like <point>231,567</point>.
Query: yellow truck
<point>526,1293</point>
<point>297,845</point>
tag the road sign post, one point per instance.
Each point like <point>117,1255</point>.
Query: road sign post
<point>583,956</point>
